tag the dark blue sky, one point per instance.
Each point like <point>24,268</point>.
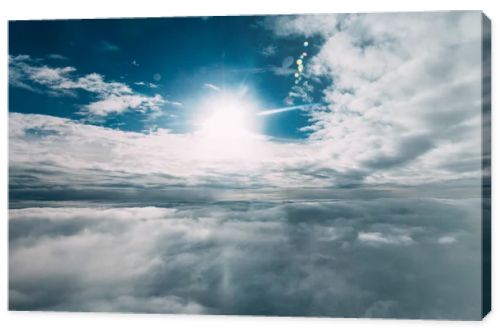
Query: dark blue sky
<point>179,55</point>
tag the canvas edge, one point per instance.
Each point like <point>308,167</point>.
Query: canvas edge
<point>486,165</point>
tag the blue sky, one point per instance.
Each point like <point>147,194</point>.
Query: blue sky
<point>174,58</point>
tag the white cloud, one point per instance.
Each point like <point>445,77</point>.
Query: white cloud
<point>230,258</point>
<point>302,25</point>
<point>121,103</point>
<point>107,285</point>
<point>61,151</point>
<point>380,238</point>
<point>402,89</point>
<point>269,50</point>
<point>300,94</point>
<point>212,87</point>
<point>189,158</point>
<point>147,84</point>
<point>50,76</point>
<point>56,56</point>
<point>447,239</point>
<point>112,97</point>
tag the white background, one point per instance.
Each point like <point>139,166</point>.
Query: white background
<point>48,322</point>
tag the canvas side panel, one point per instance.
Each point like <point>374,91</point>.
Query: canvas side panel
<point>486,165</point>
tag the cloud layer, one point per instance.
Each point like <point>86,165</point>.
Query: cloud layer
<point>381,258</point>
<point>50,153</point>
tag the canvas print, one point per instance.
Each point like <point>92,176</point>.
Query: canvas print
<point>293,165</point>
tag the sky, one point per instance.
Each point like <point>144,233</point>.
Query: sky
<point>305,165</point>
<point>180,60</point>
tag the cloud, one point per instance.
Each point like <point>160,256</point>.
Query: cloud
<point>56,158</point>
<point>269,50</point>
<point>393,104</point>
<point>122,103</point>
<point>302,25</point>
<point>379,238</point>
<point>30,74</point>
<point>212,87</point>
<point>101,154</point>
<point>276,70</point>
<point>107,46</point>
<point>112,97</point>
<point>261,258</point>
<point>56,56</point>
<point>409,149</point>
<point>282,71</point>
<point>146,84</point>
<point>447,239</point>
<point>300,94</point>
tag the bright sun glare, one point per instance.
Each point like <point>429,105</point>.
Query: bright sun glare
<point>228,116</point>
<point>227,127</point>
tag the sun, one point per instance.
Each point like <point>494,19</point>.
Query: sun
<point>225,123</point>
<point>228,128</point>
<point>228,116</point>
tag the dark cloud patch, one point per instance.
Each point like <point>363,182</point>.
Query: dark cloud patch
<point>40,132</point>
<point>399,258</point>
<point>409,149</point>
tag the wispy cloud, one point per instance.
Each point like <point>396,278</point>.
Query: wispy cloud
<point>112,96</point>
<point>269,50</point>
<point>300,93</point>
<point>146,84</point>
<point>212,87</point>
<point>56,56</point>
<point>276,70</point>
<point>282,71</point>
<point>107,46</point>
